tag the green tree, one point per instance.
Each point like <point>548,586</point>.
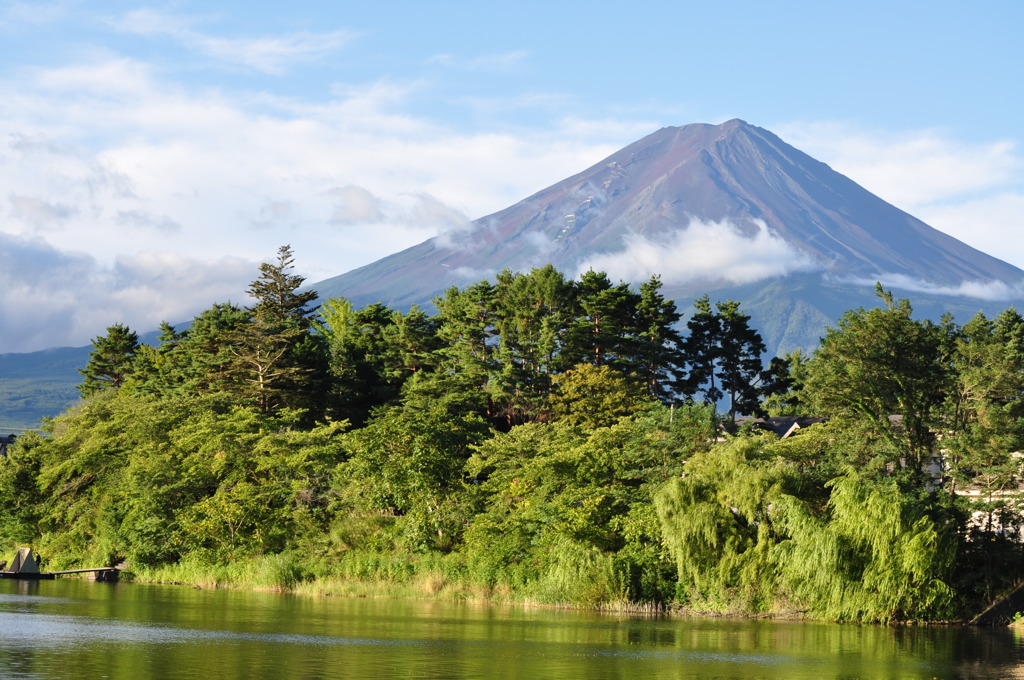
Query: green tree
<point>788,376</point>
<point>277,292</point>
<point>702,352</point>
<point>744,379</point>
<point>203,360</point>
<point>724,357</point>
<point>409,463</point>
<point>595,396</point>
<point>565,511</point>
<point>273,360</point>
<point>531,314</point>
<point>605,329</point>
<point>983,431</point>
<point>111,359</point>
<point>884,372</point>
<point>467,358</point>
<point>749,533</point>
<point>373,351</point>
<point>658,342</point>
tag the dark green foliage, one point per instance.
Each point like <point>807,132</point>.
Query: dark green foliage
<point>724,357</point>
<point>277,293</point>
<point>787,376</point>
<point>371,353</point>
<point>272,364</point>
<point>604,331</point>
<point>110,362</point>
<point>659,344</point>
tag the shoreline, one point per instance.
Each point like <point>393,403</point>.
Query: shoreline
<point>422,589</point>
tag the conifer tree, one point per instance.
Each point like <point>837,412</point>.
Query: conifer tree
<point>723,354</point>
<point>271,364</point>
<point>702,352</point>
<point>110,362</point>
<point>743,377</point>
<point>658,342</point>
<point>605,329</point>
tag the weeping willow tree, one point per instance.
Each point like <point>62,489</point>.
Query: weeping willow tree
<point>748,534</point>
<point>875,554</point>
<point>719,524</point>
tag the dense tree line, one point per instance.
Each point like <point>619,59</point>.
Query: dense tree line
<point>550,439</point>
<point>498,348</point>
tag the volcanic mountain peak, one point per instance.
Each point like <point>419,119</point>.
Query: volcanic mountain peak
<point>705,206</point>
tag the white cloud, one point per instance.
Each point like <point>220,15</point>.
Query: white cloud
<point>108,160</point>
<point>993,224</point>
<point>992,291</point>
<point>909,169</point>
<point>51,298</point>
<point>714,252</point>
<point>429,213</point>
<point>355,205</point>
<point>270,54</point>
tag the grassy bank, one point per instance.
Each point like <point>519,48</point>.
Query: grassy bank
<point>384,576</point>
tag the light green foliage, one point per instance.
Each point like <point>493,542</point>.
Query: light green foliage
<point>411,465</point>
<point>151,480</point>
<point>543,486</point>
<point>593,396</point>
<point>876,555</point>
<point>718,522</point>
<point>748,533</point>
<point>19,497</point>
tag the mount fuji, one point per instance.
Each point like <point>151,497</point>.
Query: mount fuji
<point>730,210</point>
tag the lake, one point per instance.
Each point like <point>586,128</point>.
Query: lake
<point>78,629</point>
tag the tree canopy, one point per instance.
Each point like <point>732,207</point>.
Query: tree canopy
<point>541,438</point>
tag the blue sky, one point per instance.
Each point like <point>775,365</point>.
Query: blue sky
<point>151,155</point>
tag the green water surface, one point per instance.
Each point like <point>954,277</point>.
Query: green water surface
<point>76,629</point>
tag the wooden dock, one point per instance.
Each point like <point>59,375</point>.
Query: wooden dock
<point>102,574</point>
<point>25,567</point>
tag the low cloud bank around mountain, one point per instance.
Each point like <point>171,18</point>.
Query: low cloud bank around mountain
<point>989,291</point>
<point>704,251</point>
